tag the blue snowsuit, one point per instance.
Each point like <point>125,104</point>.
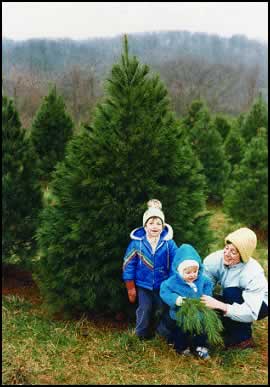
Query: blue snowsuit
<point>176,286</point>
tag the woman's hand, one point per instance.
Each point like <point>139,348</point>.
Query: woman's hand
<point>212,303</point>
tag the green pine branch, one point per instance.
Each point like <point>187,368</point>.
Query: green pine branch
<point>194,317</point>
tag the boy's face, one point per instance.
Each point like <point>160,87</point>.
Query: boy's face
<point>153,227</point>
<point>190,273</point>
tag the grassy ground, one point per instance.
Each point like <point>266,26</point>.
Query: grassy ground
<point>40,350</point>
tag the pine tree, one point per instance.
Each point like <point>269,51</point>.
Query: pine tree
<point>234,145</point>
<point>256,118</point>
<point>246,198</point>
<point>223,125</point>
<point>21,196</point>
<point>51,129</point>
<point>208,146</point>
<point>133,152</point>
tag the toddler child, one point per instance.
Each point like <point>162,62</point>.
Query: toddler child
<point>186,281</point>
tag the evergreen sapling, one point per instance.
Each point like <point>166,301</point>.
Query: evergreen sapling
<point>21,194</point>
<point>246,197</point>
<point>52,128</point>
<point>207,144</point>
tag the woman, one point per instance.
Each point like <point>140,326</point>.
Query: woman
<point>244,288</point>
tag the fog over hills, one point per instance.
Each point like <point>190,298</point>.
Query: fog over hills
<point>227,72</point>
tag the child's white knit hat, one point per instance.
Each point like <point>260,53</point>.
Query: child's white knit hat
<point>154,210</point>
<point>244,240</point>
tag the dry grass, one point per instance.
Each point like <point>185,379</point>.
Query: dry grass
<point>39,350</point>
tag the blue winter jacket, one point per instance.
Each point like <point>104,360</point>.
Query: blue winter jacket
<point>176,286</point>
<point>148,270</point>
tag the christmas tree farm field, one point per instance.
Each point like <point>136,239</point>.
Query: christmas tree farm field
<point>39,349</point>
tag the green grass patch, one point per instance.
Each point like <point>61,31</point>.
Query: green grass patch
<point>37,349</point>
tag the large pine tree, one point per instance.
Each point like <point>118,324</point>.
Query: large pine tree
<point>133,152</point>
<point>21,195</point>
<point>246,198</point>
<point>51,129</point>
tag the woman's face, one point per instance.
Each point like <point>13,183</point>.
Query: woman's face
<point>153,227</point>
<point>231,255</point>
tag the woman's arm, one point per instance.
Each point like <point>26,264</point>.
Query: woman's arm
<point>249,310</point>
<point>212,303</point>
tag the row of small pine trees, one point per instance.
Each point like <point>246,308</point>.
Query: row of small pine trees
<point>99,179</point>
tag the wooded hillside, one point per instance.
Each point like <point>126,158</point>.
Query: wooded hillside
<point>227,72</point>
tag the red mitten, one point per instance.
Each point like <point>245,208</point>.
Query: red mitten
<point>131,289</point>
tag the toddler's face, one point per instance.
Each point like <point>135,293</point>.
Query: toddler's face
<point>154,227</point>
<point>190,273</point>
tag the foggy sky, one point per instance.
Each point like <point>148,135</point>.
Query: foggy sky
<point>24,20</point>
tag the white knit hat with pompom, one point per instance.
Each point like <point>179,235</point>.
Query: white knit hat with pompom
<point>154,210</point>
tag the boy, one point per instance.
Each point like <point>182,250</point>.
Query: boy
<point>147,263</point>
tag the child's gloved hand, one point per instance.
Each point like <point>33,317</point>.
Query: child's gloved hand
<point>131,289</point>
<point>179,300</point>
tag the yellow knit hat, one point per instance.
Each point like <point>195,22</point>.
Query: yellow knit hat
<point>244,240</point>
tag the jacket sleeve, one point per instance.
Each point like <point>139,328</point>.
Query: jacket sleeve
<point>253,297</point>
<point>172,249</point>
<point>208,287</point>
<point>211,266</point>
<point>167,295</point>
<point>130,262</point>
